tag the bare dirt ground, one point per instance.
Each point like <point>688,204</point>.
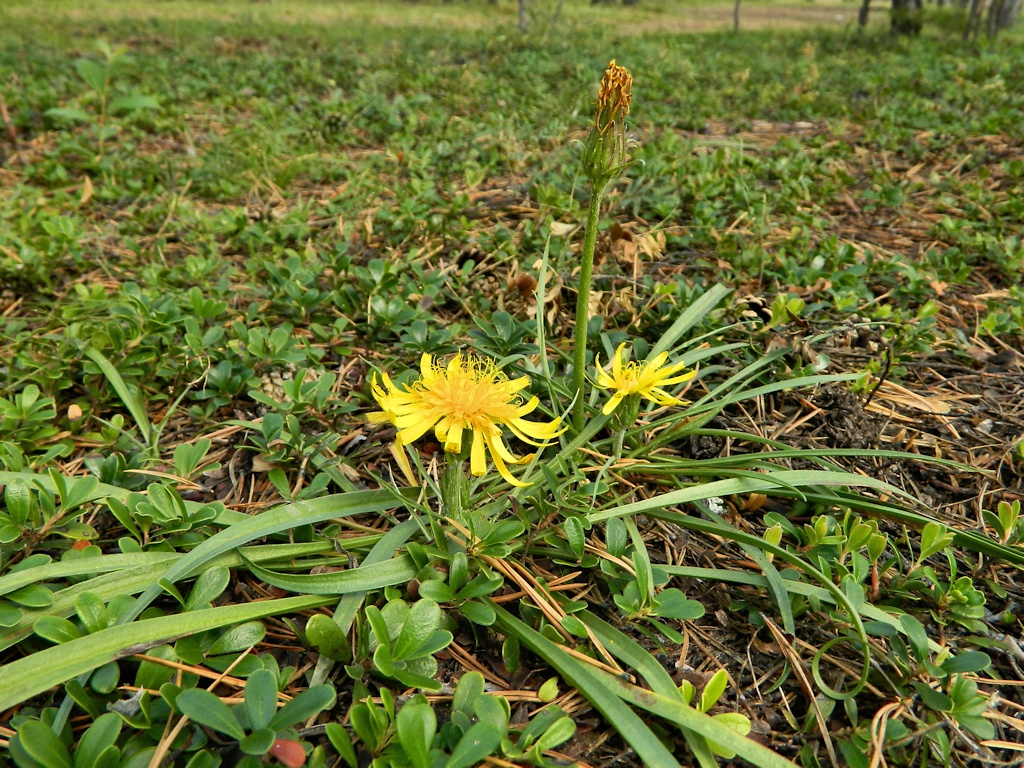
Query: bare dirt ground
<point>638,19</point>
<point>716,17</point>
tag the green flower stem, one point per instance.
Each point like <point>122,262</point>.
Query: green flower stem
<point>620,436</point>
<point>625,417</point>
<point>454,488</point>
<point>579,360</point>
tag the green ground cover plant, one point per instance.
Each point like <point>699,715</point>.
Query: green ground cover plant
<point>400,395</point>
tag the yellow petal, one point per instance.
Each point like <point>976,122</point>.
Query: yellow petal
<point>617,362</point>
<point>531,431</point>
<point>477,456</point>
<point>499,449</point>
<point>657,362</point>
<point>453,443</point>
<point>516,384</point>
<point>416,430</point>
<point>402,459</point>
<point>612,404</point>
<point>661,397</point>
<point>500,465</point>
<point>528,407</point>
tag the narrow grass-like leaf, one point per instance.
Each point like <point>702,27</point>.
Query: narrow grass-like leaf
<point>130,581</point>
<point>81,567</point>
<point>707,726</point>
<point>595,689</point>
<point>787,384</point>
<point>398,570</point>
<point>867,610</point>
<point>130,397</point>
<point>688,318</point>
<point>776,587</point>
<point>641,564</point>
<point>740,537</point>
<point>24,678</point>
<point>272,521</point>
<point>626,650</point>
<point>768,482</point>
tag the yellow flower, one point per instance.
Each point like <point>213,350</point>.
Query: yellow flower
<point>644,379</point>
<point>467,395</point>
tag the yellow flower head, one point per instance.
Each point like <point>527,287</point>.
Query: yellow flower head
<point>467,395</point>
<point>644,379</point>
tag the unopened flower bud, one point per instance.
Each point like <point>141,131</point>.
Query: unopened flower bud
<point>604,153</point>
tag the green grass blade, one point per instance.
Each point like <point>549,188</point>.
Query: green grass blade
<point>689,317</point>
<point>130,397</point>
<point>266,523</point>
<point>840,598</point>
<point>594,688</point>
<point>867,610</point>
<point>676,712</point>
<point>29,676</point>
<point>90,566</point>
<point>629,652</point>
<point>776,585</point>
<point>799,478</point>
<point>131,581</point>
<point>398,570</point>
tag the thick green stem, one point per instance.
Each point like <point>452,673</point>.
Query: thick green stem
<point>454,487</point>
<point>579,359</point>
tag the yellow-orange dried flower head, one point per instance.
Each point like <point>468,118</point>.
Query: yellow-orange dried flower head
<point>614,96</point>
<point>604,153</point>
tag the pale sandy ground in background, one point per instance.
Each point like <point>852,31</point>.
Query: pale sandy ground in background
<point>646,17</point>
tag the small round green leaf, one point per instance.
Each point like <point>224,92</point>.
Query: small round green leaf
<point>548,691</point>
<point>310,702</point>
<point>418,627</point>
<point>260,700</point>
<point>325,635</point>
<point>101,736</point>
<point>43,745</point>
<point>258,742</point>
<point>416,724</point>
<point>105,679</point>
<point>32,596</point>
<point>238,638</point>
<point>480,741</point>
<point>206,709</point>
<point>478,613</point>
<point>55,629</point>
